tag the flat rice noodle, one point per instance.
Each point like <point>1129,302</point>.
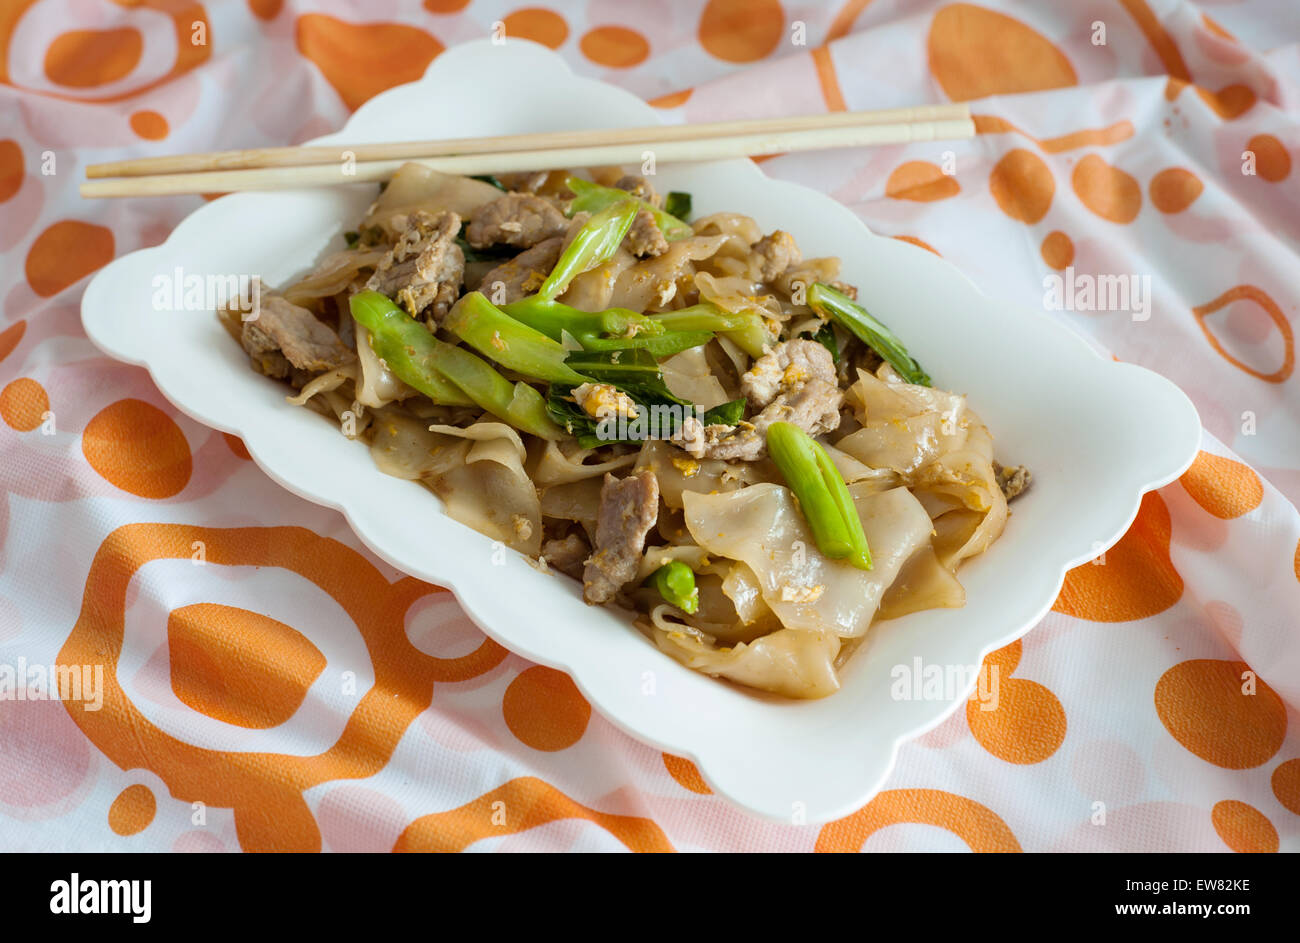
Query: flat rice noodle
<point>791,662</point>
<point>378,386</point>
<point>762,527</point>
<point>825,269</point>
<point>334,274</point>
<point>594,290</point>
<point>556,463</point>
<point>881,479</point>
<point>741,231</point>
<point>688,376</point>
<point>903,427</point>
<point>923,583</point>
<point>490,491</point>
<point>678,473</point>
<point>478,472</point>
<point>650,284</point>
<point>940,448</point>
<point>737,294</point>
<point>325,383</point>
<point>416,187</point>
<point>404,447</point>
<point>573,501</point>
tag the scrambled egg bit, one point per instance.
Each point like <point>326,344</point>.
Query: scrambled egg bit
<point>801,594</point>
<point>687,466</point>
<point>602,401</point>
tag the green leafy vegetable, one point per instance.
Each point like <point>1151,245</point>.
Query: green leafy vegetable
<point>677,204</point>
<point>826,337</point>
<point>592,198</point>
<point>659,414</point>
<point>854,318</point>
<point>725,414</point>
<point>634,371</point>
<point>352,238</point>
<point>823,496</point>
<point>676,584</point>
<point>488,178</point>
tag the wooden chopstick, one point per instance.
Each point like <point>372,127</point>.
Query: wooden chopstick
<point>555,140</point>
<point>665,151</point>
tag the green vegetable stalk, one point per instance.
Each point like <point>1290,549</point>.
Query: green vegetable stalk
<point>828,302</point>
<point>745,328</point>
<point>676,584</point>
<point>555,320</point>
<point>592,197</point>
<point>447,374</point>
<point>823,496</point>
<point>509,342</point>
<point>612,329</point>
<point>595,243</point>
<point>394,337</point>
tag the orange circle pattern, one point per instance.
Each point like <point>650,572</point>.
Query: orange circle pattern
<point>1023,185</point>
<point>1207,706</point>
<point>1174,189</point>
<point>615,47</point>
<point>1244,828</point>
<point>741,30</point>
<point>541,26</point>
<point>133,810</point>
<point>545,710</point>
<point>1057,249</point>
<point>137,447</point>
<point>23,404</point>
<point>979,827</point>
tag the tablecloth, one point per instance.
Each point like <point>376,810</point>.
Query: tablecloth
<point>269,684</point>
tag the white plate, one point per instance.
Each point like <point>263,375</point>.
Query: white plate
<point>1096,434</point>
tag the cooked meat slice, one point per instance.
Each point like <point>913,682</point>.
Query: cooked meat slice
<point>1013,481</point>
<point>567,554</point>
<point>795,382</point>
<point>777,252</point>
<point>814,407</point>
<point>426,267</point>
<point>516,219</point>
<point>523,274</point>
<point>639,187</point>
<point>629,507</point>
<point>740,442</point>
<point>284,336</point>
<point>787,366</point>
<point>645,238</point>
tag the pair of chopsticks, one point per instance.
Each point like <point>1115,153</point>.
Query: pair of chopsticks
<point>282,168</point>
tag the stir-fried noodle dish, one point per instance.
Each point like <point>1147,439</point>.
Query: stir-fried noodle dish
<point>682,413</point>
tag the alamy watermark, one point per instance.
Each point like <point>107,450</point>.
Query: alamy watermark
<point>21,681</point>
<point>181,291</point>
<point>1074,291</point>
<point>920,681</point>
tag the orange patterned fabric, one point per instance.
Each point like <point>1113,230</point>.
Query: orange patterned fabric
<point>268,684</point>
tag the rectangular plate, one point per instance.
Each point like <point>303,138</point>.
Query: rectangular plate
<point>1096,434</point>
